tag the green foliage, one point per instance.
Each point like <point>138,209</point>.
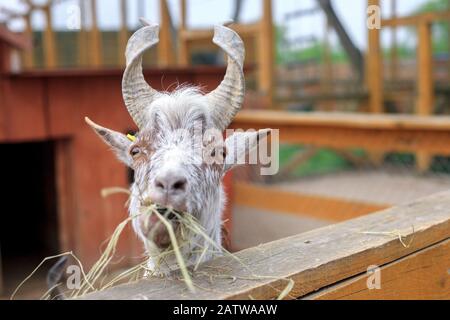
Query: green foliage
<point>324,161</point>
<point>314,51</point>
<point>440,28</point>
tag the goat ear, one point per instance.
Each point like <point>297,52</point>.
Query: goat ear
<point>118,142</point>
<point>241,144</point>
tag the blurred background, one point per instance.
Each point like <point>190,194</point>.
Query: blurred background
<point>362,113</point>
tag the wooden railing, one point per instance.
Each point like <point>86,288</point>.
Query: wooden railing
<point>174,49</point>
<point>258,37</point>
<point>340,131</point>
<point>425,100</point>
<point>407,246</point>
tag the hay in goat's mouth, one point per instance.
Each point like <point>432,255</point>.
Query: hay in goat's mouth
<point>187,227</point>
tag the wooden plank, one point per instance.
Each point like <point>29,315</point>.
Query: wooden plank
<point>95,52</point>
<point>123,32</point>
<point>82,37</point>
<point>183,51</point>
<point>428,17</point>
<point>49,40</point>
<point>313,260</point>
<point>394,43</point>
<point>244,30</point>
<point>383,133</point>
<point>266,57</point>
<point>23,115</point>
<point>280,119</point>
<point>28,59</point>
<point>316,206</point>
<point>324,96</point>
<point>421,275</point>
<point>65,194</point>
<point>425,85</point>
<point>166,56</point>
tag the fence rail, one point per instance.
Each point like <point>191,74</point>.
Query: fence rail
<point>409,241</point>
<point>338,131</point>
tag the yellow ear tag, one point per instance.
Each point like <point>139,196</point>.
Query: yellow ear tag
<point>131,137</point>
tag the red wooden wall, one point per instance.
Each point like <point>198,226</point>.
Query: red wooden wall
<point>36,106</point>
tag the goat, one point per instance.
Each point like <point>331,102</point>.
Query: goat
<point>166,170</point>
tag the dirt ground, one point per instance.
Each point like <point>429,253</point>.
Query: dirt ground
<point>385,187</point>
<point>16,272</point>
<point>375,186</point>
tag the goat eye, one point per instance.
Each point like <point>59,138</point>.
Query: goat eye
<point>135,151</point>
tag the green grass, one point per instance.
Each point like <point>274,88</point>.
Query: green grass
<point>324,161</point>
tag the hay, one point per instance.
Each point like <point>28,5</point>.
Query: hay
<point>187,227</point>
<point>70,253</point>
<point>394,233</point>
<point>176,248</point>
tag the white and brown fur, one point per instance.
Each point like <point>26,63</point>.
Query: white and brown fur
<point>166,170</point>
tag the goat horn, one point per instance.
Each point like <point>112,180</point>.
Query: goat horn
<point>136,92</point>
<point>226,100</point>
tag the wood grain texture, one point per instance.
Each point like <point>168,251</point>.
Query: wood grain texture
<point>427,17</point>
<point>421,275</point>
<point>319,207</point>
<point>425,85</point>
<point>406,133</point>
<point>314,260</point>
<point>343,120</point>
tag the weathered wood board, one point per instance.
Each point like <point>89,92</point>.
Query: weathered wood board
<point>313,260</point>
<point>421,275</point>
<point>382,133</point>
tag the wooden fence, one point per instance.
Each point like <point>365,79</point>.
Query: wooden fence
<point>408,246</point>
<point>425,100</point>
<point>375,133</point>
<point>174,49</point>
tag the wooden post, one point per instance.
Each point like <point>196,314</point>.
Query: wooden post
<point>327,69</point>
<point>374,74</point>
<point>166,54</point>
<point>183,50</point>
<point>394,46</point>
<point>50,54</point>
<point>266,53</point>
<point>82,36</point>
<point>425,99</point>
<point>95,38</point>
<point>28,59</point>
<point>374,78</point>
<point>448,42</point>
<point>425,84</point>
<point>123,32</point>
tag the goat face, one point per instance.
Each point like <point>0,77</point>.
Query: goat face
<point>171,160</point>
<point>179,156</point>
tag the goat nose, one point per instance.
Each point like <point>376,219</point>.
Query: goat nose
<point>171,183</point>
